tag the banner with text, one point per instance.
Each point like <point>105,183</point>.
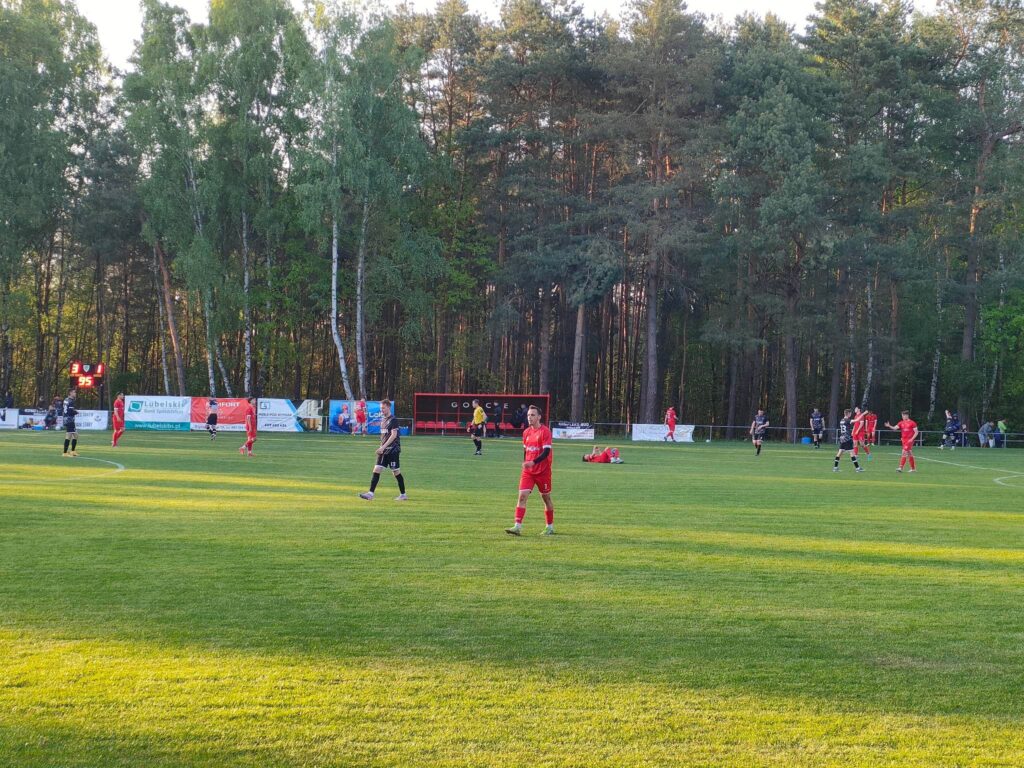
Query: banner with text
<point>572,430</point>
<point>157,412</point>
<point>34,418</point>
<point>658,432</point>
<point>229,414</point>
<point>280,415</point>
<point>89,420</point>
<point>342,420</point>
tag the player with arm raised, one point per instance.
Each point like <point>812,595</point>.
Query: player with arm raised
<point>757,429</point>
<point>908,434</point>
<point>118,419</point>
<point>536,472</point>
<point>388,454</point>
<point>249,416</point>
<point>846,443</point>
<point>859,424</point>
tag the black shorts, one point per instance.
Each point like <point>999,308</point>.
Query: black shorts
<point>212,419</point>
<point>69,427</point>
<point>846,445</point>
<point>477,430</point>
<point>758,436</point>
<point>817,433</point>
<point>389,460</point>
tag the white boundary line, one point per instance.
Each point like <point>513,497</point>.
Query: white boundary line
<point>997,480</point>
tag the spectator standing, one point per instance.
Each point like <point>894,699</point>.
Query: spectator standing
<point>985,435</point>
<point>1001,432</point>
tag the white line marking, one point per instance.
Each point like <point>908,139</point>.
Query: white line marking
<point>998,480</point>
<point>120,467</point>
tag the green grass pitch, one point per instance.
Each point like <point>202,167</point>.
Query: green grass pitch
<point>698,607</point>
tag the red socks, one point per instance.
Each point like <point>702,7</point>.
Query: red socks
<point>520,514</point>
<point>549,516</point>
<point>913,464</point>
<point>903,460</point>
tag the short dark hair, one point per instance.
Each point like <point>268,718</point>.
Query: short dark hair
<point>847,411</point>
<point>535,408</point>
<point>905,412</point>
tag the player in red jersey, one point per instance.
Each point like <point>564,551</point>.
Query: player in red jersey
<point>118,419</point>
<point>908,434</point>
<point>609,455</point>
<point>249,414</point>
<point>536,472</point>
<point>670,422</point>
<point>858,431</point>
<point>360,419</point>
<point>870,428</point>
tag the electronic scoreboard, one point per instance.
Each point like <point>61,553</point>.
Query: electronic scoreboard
<point>86,375</point>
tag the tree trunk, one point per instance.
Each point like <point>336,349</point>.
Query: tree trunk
<point>342,365</point>
<point>870,375</point>
<point>649,393</point>
<point>172,325</point>
<point>544,343</point>
<point>734,371</point>
<point>792,365</point>
<point>578,362</point>
<point>207,325</point>
<point>246,310</point>
<point>360,285</point>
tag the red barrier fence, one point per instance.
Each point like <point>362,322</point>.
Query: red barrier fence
<point>446,413</point>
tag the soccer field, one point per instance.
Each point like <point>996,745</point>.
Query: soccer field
<point>170,603</point>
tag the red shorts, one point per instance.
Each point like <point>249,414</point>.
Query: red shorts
<point>671,426</point>
<point>543,481</point>
<point>858,436</point>
<point>908,446</point>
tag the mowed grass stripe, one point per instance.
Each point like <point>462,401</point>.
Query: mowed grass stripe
<point>699,606</point>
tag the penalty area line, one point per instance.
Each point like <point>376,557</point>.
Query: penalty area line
<point>118,467</point>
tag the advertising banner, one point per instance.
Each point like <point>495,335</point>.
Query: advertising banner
<point>32,418</point>
<point>657,432</point>
<point>280,415</point>
<point>8,418</point>
<point>572,430</point>
<point>342,417</point>
<point>157,412</point>
<point>88,420</point>
<point>230,416</point>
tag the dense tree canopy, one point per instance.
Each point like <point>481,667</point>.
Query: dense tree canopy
<point>624,213</point>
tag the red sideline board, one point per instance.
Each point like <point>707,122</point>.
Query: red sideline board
<point>447,413</point>
<point>229,414</point>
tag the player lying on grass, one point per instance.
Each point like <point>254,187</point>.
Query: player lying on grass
<point>609,455</point>
<point>908,434</point>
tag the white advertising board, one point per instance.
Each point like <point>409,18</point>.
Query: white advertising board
<point>570,430</point>
<point>157,412</point>
<point>657,432</point>
<point>88,420</point>
<point>277,414</point>
<point>8,418</point>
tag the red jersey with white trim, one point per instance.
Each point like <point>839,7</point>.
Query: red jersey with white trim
<point>871,423</point>
<point>535,440</point>
<point>907,427</point>
<point>119,411</point>
<point>670,417</point>
<point>249,417</point>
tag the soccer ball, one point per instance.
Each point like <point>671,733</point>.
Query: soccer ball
<point>708,440</point>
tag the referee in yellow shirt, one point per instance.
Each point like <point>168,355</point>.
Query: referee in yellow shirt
<point>478,427</point>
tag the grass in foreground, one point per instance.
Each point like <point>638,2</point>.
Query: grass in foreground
<point>697,607</point>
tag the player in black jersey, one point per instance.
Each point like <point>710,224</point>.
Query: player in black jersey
<point>950,431</point>
<point>817,427</point>
<point>388,453</point>
<point>757,429</point>
<point>211,418</point>
<point>846,441</point>
<point>70,428</point>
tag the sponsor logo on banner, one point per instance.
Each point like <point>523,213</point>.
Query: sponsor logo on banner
<point>157,412</point>
<point>341,418</point>
<point>230,414</point>
<point>572,430</point>
<point>658,432</point>
<point>276,414</point>
<point>90,420</point>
